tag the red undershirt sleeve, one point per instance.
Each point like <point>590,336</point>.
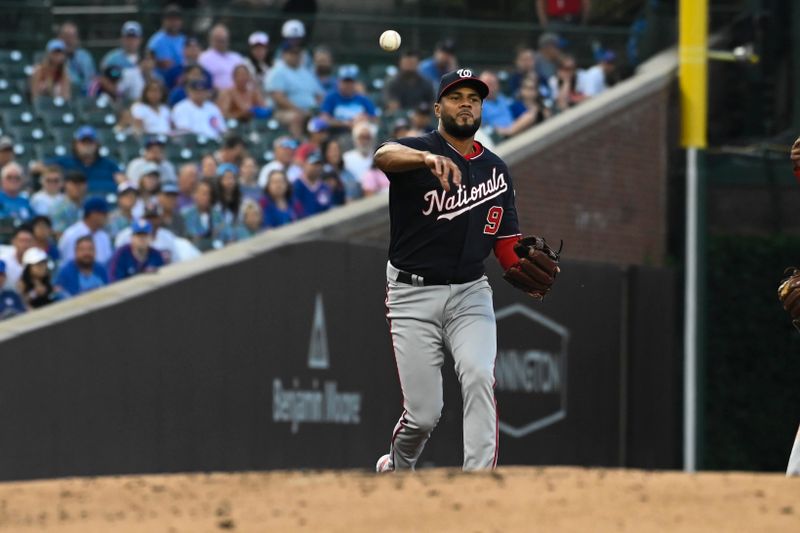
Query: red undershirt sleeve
<point>504,251</point>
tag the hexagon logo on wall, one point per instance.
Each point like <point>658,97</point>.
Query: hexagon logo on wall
<point>531,370</point>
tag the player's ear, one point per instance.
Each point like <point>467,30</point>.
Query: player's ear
<point>436,108</point>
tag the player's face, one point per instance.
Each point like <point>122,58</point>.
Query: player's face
<point>460,112</point>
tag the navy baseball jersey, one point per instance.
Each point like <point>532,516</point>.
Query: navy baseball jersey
<point>446,236</point>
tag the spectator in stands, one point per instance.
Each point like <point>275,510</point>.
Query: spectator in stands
<point>293,33</point>
<point>283,149</point>
<point>496,106</point>
<point>6,150</point>
<point>257,60</point>
<point>232,150</point>
<point>218,59</point>
<point>161,238</point>
<point>311,195</point>
<point>10,302</point>
<point>229,194</point>
<point>153,153</point>
<point>67,210</point>
<point>95,215</point>
<point>187,181</point>
<point>79,61</point>
<point>374,181</point>
<point>359,159</point>
<point>208,166</point>
<point>121,217</point>
<point>151,115</point>
<point>13,203</point>
<point>44,200</point>
<point>42,229</point>
<point>277,204</point>
<point>138,256</point>
<point>528,110</point>
<point>127,54</point>
<point>323,68</point>
<point>567,94</point>
<point>51,77</point>
<point>134,80</point>
<point>149,185</point>
<point>345,106</point>
<point>401,127</point>
<point>171,218</point>
<point>422,118</point>
<point>107,84</point>
<point>548,56</point>
<point>197,114</point>
<point>408,88</point>
<point>167,43</point>
<point>443,61</point>
<point>317,134</point>
<point>204,220</point>
<point>524,66</point>
<point>176,76</point>
<point>34,285</point>
<point>248,179</point>
<point>82,274</point>
<point>250,222</point>
<point>562,13</point>
<point>293,89</point>
<point>243,100</point>
<point>595,80</point>
<point>191,74</point>
<point>102,174</point>
<point>334,163</point>
<point>21,241</point>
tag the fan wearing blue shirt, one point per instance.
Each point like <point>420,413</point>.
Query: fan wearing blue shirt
<point>167,43</point>
<point>10,302</point>
<point>12,203</point>
<point>83,273</point>
<point>311,195</point>
<point>343,106</point>
<point>138,256</point>
<point>102,174</point>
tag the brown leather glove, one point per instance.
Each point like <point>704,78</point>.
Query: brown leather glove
<point>789,294</point>
<point>536,269</point>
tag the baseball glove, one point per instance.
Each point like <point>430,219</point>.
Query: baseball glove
<point>537,267</point>
<point>789,294</point>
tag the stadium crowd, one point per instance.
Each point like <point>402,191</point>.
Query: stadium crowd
<point>169,146</point>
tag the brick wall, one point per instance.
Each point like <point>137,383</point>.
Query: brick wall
<point>603,189</point>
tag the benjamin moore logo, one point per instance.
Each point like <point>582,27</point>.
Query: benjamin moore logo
<point>533,372</point>
<point>325,405</point>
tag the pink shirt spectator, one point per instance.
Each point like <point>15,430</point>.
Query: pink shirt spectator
<point>220,65</point>
<point>374,181</point>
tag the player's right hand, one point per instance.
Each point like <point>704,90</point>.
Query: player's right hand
<point>795,154</point>
<point>444,169</point>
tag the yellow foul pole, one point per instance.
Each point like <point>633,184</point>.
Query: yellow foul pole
<point>693,80</point>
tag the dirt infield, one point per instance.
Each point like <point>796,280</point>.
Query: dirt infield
<point>510,499</point>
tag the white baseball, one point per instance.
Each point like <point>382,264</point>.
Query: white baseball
<point>390,40</point>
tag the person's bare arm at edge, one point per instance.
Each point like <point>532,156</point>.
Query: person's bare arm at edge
<point>394,157</point>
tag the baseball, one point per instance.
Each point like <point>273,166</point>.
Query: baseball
<point>390,40</point>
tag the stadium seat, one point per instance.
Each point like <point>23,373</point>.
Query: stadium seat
<point>45,104</point>
<point>11,99</point>
<point>16,71</point>
<point>177,153</point>
<point>100,118</point>
<point>8,57</point>
<point>5,86</point>
<point>29,133</point>
<point>20,116</point>
<point>48,149</point>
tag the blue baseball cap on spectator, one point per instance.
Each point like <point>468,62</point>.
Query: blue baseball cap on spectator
<point>95,205</point>
<point>131,29</point>
<point>315,158</point>
<point>227,167</point>
<point>287,142</point>
<point>170,188</point>
<point>140,225</point>
<point>2,267</point>
<point>317,124</point>
<point>608,56</point>
<point>348,72</point>
<point>85,132</point>
<point>56,45</point>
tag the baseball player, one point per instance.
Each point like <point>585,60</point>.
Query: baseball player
<point>789,295</point>
<point>451,202</point>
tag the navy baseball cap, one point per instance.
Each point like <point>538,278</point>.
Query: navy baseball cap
<point>86,132</point>
<point>141,226</point>
<point>462,76</point>
<point>95,205</point>
<point>199,85</point>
